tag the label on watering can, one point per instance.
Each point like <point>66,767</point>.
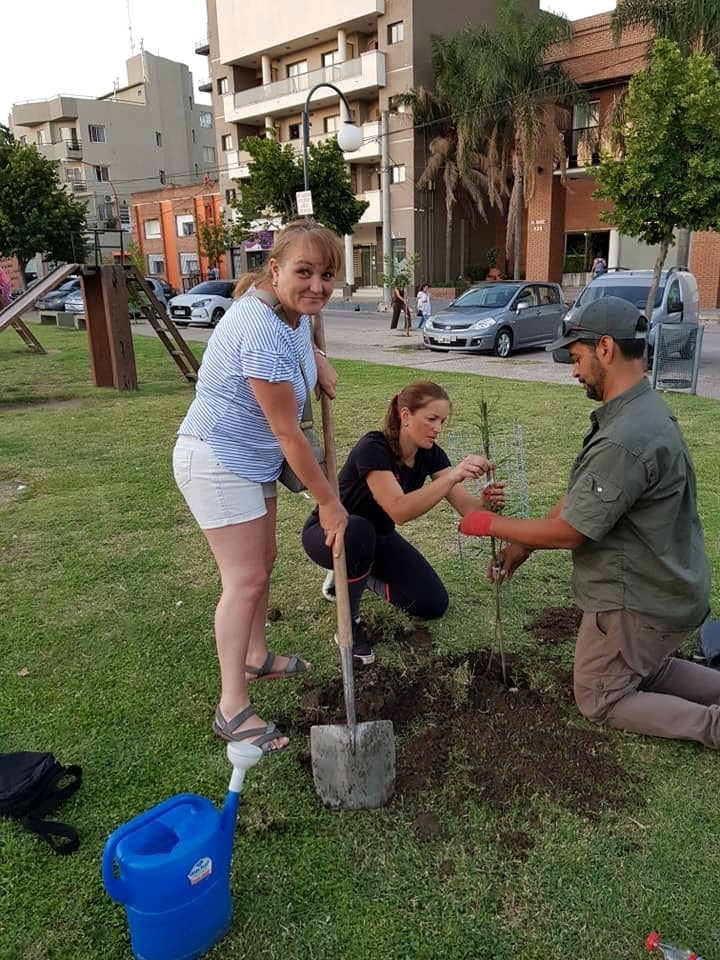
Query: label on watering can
<point>200,871</point>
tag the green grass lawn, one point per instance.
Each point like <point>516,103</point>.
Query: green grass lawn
<point>107,593</point>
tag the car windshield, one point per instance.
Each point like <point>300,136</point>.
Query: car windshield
<point>493,295</point>
<point>636,294</point>
<point>67,287</point>
<point>216,288</point>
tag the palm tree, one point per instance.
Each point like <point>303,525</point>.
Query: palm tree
<point>508,100</point>
<point>693,24</point>
<point>466,186</point>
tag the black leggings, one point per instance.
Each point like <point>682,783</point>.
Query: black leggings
<point>409,581</point>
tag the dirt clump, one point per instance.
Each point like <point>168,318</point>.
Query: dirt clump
<point>555,625</point>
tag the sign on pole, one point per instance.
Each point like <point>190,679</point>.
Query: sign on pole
<point>304,203</point>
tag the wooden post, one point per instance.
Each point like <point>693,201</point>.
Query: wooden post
<point>97,329</point>
<point>122,352</point>
<point>112,357</point>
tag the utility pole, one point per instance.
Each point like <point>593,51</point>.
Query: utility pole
<point>385,194</point>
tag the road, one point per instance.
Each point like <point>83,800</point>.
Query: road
<point>366,336</point>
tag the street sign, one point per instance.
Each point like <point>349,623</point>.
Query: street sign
<point>304,203</point>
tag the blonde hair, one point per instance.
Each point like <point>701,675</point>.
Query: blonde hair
<point>327,242</point>
<point>414,396</point>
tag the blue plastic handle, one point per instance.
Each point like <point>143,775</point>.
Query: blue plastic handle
<point>115,886</point>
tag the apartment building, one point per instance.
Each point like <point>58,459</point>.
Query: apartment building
<point>139,136</point>
<point>261,70</point>
<point>166,224</point>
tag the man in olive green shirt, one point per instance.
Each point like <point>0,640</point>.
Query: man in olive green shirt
<point>640,573</point>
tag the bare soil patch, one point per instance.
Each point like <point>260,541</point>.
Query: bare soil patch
<point>454,718</point>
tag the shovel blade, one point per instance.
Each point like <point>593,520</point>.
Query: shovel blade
<point>354,773</point>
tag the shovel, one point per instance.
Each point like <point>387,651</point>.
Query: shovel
<point>354,765</point>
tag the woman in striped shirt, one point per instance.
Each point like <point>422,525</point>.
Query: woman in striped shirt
<point>243,422</point>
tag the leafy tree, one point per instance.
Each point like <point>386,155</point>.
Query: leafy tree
<point>508,100</point>
<point>36,214</point>
<point>693,24</point>
<point>668,171</point>
<point>276,175</point>
<point>215,238</point>
<point>399,273</point>
<point>5,134</point>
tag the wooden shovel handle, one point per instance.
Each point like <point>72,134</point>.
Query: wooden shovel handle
<point>342,598</point>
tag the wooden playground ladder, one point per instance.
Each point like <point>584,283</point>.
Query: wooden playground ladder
<point>156,315</point>
<point>10,316</point>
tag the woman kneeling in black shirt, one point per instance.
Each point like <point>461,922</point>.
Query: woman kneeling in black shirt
<point>382,484</point>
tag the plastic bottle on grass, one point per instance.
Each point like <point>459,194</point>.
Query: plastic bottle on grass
<point>668,951</point>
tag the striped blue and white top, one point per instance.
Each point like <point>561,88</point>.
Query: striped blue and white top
<point>249,341</point>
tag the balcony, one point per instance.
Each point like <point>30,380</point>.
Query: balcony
<point>60,150</point>
<point>33,113</point>
<point>202,47</point>
<point>238,164</point>
<point>205,85</point>
<point>364,73</point>
<point>77,186</point>
<point>373,214</point>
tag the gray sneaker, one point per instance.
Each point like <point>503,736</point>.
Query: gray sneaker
<point>328,587</point>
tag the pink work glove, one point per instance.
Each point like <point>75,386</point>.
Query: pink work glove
<point>477,523</point>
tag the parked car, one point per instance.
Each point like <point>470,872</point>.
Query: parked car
<point>498,316</point>
<point>55,300</point>
<point>204,303</point>
<point>676,299</point>
<point>74,303</point>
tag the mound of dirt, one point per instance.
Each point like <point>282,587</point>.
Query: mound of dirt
<point>555,625</point>
<point>455,718</point>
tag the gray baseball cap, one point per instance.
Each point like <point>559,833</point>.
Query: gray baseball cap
<point>604,317</point>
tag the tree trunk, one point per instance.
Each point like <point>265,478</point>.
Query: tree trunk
<point>659,264</point>
<point>517,238</point>
<point>683,248</point>
<point>448,242</point>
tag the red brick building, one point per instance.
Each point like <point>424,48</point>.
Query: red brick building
<point>166,224</point>
<point>563,227</point>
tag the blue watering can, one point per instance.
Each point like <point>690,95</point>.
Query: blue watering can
<point>170,867</point>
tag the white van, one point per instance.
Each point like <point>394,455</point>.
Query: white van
<point>676,299</point>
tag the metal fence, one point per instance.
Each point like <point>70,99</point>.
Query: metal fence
<point>676,356</point>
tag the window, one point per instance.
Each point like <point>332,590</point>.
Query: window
<point>102,173</point>
<point>194,139</point>
<point>72,174</point>
<point>222,85</point>
<point>397,173</point>
<point>294,130</point>
<point>297,69</point>
<point>399,249</point>
<point>69,135</point>
<point>230,195</point>
<point>205,120</point>
<point>185,225</point>
<point>158,138</point>
<point>106,212</point>
<point>331,124</point>
<point>190,103</point>
<point>396,32</point>
<point>96,133</point>
<point>209,155</point>
<point>331,58</point>
<point>161,177</point>
<point>226,141</point>
<point>156,264</point>
<point>41,137</point>
<point>152,229</point>
<point>188,264</point>
<point>548,295</point>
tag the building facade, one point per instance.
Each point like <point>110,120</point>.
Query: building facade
<point>140,135</point>
<point>166,224</point>
<point>261,70</point>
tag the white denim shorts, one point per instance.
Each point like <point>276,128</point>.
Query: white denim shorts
<point>216,497</point>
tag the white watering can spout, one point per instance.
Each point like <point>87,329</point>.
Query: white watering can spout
<point>242,756</point>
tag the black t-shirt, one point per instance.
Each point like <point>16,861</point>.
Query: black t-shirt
<point>372,452</point>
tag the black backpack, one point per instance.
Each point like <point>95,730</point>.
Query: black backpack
<point>34,784</point>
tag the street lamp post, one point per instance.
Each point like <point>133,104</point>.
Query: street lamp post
<point>349,137</point>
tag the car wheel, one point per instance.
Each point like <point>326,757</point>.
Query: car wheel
<point>217,314</point>
<point>503,344</point>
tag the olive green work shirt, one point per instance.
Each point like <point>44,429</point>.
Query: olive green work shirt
<point>632,494</point>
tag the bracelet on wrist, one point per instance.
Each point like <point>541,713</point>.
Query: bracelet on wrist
<point>318,350</point>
